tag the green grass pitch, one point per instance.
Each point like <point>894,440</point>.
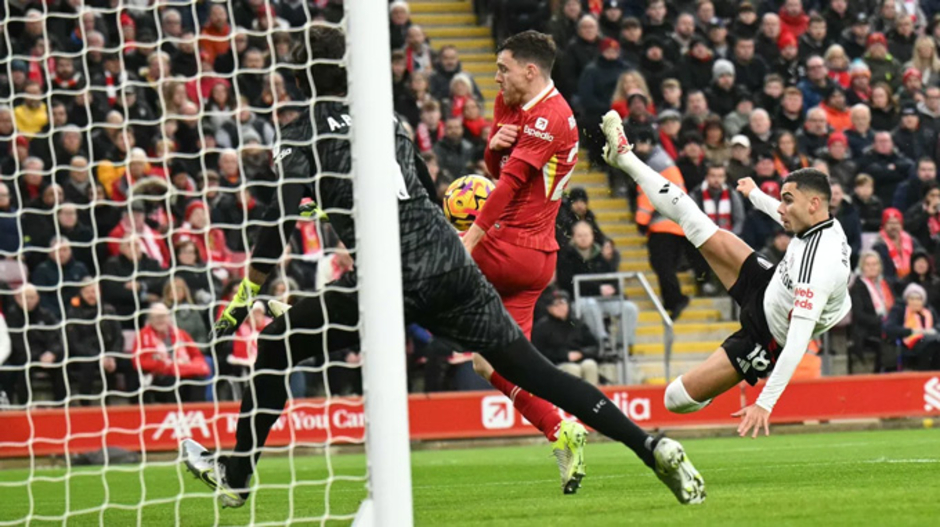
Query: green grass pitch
<point>850,478</point>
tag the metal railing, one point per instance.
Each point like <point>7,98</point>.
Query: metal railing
<point>648,289</point>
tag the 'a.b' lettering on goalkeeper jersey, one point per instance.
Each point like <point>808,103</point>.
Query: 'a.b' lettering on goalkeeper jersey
<point>811,281</point>
<point>320,158</point>
<point>548,143</point>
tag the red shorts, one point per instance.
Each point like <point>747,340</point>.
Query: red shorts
<point>519,275</point>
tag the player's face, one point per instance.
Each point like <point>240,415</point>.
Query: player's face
<point>513,77</point>
<point>797,207</point>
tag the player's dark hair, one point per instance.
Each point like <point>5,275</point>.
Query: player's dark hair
<point>711,165</point>
<point>531,46</point>
<point>323,45</point>
<point>812,180</point>
<point>925,160</point>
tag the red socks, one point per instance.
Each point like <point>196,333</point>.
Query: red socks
<point>541,413</point>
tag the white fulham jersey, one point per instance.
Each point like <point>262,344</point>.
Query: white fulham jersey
<point>811,281</point>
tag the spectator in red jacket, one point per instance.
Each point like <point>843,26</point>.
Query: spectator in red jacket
<point>793,19</point>
<point>209,240</point>
<point>167,355</point>
<point>152,243</point>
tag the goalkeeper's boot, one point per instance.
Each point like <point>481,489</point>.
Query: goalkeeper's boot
<point>569,452</point>
<point>675,470</point>
<point>208,469</point>
<point>617,144</point>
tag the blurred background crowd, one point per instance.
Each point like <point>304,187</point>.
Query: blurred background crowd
<point>135,159</point>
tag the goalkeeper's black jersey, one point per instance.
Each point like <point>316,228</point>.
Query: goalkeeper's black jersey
<point>316,163</point>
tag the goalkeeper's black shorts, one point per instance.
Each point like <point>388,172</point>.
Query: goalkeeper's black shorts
<point>459,305</point>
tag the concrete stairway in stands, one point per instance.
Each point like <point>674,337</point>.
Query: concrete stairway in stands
<point>706,322</point>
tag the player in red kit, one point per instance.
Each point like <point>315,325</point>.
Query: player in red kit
<point>532,149</point>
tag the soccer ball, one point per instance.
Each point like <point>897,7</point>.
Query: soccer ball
<point>464,200</point>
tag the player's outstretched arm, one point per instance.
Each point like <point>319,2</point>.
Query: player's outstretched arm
<point>763,202</point>
<point>758,415</point>
<point>286,204</point>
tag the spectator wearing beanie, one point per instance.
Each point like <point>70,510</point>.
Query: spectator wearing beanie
<point>749,69</point>
<point>723,94</point>
<point>838,156</point>
<point>912,87</point>
<point>611,18</point>
<point>792,18</point>
<point>654,65</point>
<point>695,68</point>
<point>908,137</point>
<point>859,91</point>
<point>837,114</point>
<point>884,67</point>
<point>574,210</point>
<point>670,123</point>
<point>787,63</point>
<point>631,41</point>
<point>916,325</point>
<point>854,39</point>
<point>895,246</point>
<point>718,38</point>
<point>691,162</point>
<point>860,135</point>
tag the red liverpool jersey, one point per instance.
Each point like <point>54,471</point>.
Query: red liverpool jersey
<point>547,144</point>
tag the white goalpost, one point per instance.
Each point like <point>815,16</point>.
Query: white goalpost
<point>380,296</point>
<point>97,383</point>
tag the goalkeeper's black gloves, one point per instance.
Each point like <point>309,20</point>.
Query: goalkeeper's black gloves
<point>237,310</point>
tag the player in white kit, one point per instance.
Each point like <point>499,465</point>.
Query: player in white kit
<point>783,307</point>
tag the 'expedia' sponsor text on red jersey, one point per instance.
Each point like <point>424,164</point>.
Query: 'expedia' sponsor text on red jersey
<point>548,144</point>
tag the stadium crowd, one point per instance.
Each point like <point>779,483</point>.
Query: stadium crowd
<point>135,153</point>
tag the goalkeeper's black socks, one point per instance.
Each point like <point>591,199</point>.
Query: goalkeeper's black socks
<point>524,366</point>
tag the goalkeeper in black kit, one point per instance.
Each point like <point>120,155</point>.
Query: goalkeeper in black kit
<point>443,289</point>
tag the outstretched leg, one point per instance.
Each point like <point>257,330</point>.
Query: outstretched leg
<point>316,325</point>
<point>724,252</point>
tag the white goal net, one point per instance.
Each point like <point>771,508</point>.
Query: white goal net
<point>137,141</point>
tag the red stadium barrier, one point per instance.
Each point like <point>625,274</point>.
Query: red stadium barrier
<point>442,416</point>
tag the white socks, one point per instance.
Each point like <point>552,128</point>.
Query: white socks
<point>669,200</point>
<point>678,401</point>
